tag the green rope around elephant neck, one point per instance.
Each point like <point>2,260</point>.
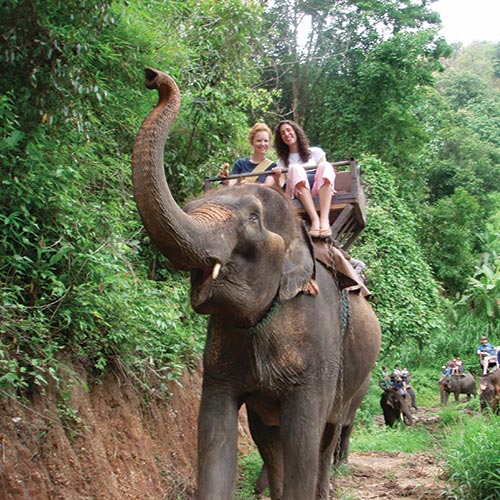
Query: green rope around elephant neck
<point>264,321</point>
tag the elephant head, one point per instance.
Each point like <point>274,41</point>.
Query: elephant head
<point>443,393</point>
<point>446,382</point>
<point>396,402</point>
<point>243,245</point>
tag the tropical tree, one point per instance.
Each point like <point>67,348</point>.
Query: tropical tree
<point>350,70</point>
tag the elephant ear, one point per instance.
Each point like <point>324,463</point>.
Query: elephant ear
<point>390,399</point>
<point>299,269</point>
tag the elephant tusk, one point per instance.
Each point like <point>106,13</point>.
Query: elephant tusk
<point>215,271</point>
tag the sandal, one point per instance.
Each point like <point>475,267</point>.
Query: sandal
<point>315,233</point>
<point>324,233</point>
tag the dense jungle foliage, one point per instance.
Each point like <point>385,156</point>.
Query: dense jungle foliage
<point>371,79</point>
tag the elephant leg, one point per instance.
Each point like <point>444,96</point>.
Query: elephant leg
<point>329,443</point>
<point>302,424</point>
<point>268,442</point>
<point>342,449</point>
<point>413,397</point>
<point>217,444</point>
<point>390,415</point>
<point>441,397</point>
<point>262,481</point>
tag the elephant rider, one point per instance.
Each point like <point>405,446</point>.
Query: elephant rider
<point>295,153</point>
<point>399,384</point>
<point>359,266</point>
<point>259,138</point>
<point>458,366</point>
<point>487,354</point>
<point>385,381</point>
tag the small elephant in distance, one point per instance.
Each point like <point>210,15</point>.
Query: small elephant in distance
<point>456,384</point>
<point>489,396</point>
<point>396,403</point>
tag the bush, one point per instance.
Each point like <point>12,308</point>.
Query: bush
<point>472,460</point>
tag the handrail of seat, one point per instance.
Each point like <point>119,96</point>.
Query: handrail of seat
<point>352,163</point>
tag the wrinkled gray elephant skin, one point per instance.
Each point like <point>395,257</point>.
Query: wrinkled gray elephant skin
<point>396,403</point>
<point>273,343</point>
<point>456,384</point>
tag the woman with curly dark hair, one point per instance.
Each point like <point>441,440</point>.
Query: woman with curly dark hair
<point>295,153</point>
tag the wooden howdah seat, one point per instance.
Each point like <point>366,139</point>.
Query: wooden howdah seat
<point>348,208</point>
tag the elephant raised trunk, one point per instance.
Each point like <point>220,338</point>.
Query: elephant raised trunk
<point>184,239</point>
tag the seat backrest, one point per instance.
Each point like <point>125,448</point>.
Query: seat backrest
<point>343,181</point>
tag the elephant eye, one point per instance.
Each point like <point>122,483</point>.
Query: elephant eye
<point>253,217</point>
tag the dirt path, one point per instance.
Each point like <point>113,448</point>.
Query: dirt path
<point>393,476</point>
<point>379,475</point>
<point>390,476</point>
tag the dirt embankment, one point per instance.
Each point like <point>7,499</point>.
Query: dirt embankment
<point>109,443</point>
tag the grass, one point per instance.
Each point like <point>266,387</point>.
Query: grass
<point>249,467</point>
<point>397,439</point>
<point>472,459</point>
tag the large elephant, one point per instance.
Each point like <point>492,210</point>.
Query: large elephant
<point>489,395</point>
<point>275,339</point>
<point>396,402</point>
<point>456,384</point>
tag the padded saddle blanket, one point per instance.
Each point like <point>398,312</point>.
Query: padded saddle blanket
<point>348,277</point>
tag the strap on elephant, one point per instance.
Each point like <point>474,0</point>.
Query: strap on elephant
<point>346,310</point>
<point>349,281</point>
<point>334,260</point>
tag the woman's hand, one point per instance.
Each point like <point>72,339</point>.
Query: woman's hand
<point>276,178</point>
<point>224,172</point>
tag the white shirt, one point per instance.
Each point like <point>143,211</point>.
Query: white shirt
<point>294,159</point>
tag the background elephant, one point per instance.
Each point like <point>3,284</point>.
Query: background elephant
<point>394,403</point>
<point>275,340</point>
<point>489,395</point>
<point>413,397</point>
<point>456,384</point>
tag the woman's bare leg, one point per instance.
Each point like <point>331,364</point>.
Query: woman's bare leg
<point>305,198</point>
<point>325,201</point>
